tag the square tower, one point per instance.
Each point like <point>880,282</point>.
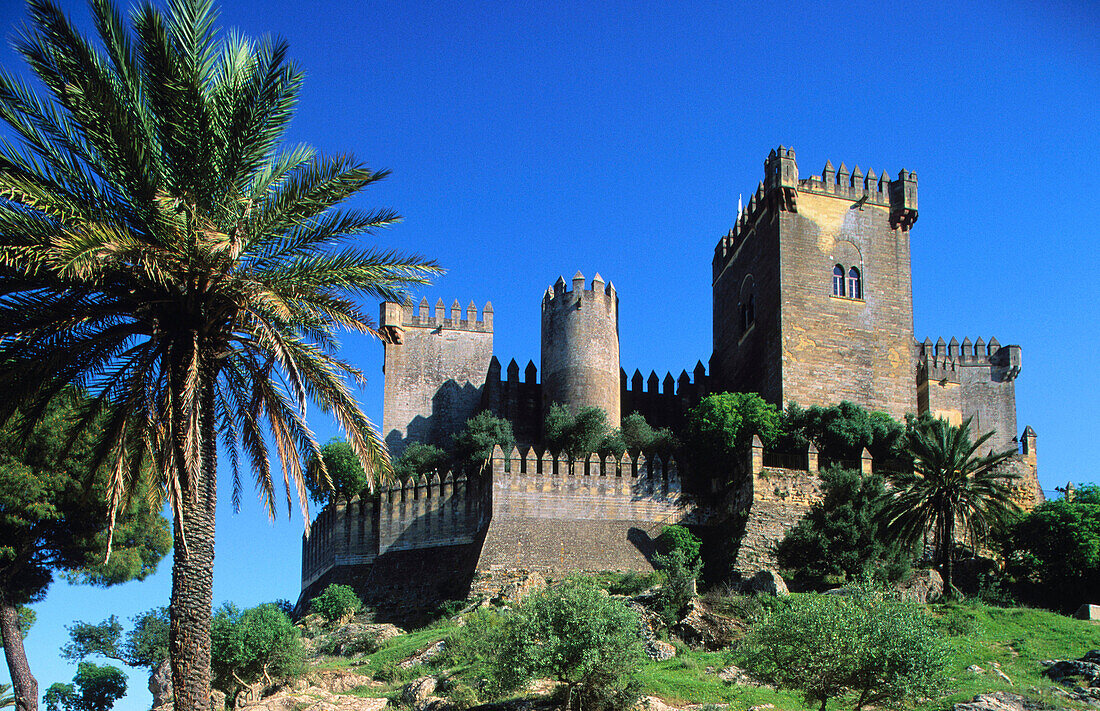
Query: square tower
<point>813,298</point>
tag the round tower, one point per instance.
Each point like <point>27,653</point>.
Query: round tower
<point>580,347</point>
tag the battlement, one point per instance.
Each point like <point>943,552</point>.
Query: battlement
<point>942,360</point>
<point>560,289</point>
<point>663,474</point>
<point>396,317</point>
<point>781,185</point>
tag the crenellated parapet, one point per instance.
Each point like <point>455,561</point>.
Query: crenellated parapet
<point>516,397</point>
<point>397,317</point>
<point>779,191</point>
<point>664,402</point>
<point>439,509</point>
<point>943,360</point>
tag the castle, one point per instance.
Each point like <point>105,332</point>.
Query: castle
<point>812,303</point>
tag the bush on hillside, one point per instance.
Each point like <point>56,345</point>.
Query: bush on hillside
<point>679,538</point>
<point>868,646</point>
<point>679,573</point>
<point>260,644</point>
<point>840,538</point>
<point>1053,553</point>
<point>578,635</point>
<point>336,602</point>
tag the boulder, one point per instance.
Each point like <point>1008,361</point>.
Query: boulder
<point>737,675</point>
<point>217,700</point>
<point>701,627</point>
<point>356,638</point>
<point>659,651</point>
<point>418,691</point>
<point>514,592</point>
<point>767,582</point>
<point>1073,669</point>
<point>921,586</point>
<point>999,701</point>
<point>339,681</point>
<point>1088,612</point>
<point>425,655</point>
<point>160,684</point>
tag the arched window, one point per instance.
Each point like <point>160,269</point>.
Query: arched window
<point>855,284</point>
<point>748,312</point>
<point>838,280</point>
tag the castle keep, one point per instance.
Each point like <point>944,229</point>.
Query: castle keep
<point>812,303</point>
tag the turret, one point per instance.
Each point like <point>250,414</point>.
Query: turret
<point>580,346</point>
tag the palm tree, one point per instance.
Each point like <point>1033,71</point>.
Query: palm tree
<point>952,491</point>
<point>160,250</point>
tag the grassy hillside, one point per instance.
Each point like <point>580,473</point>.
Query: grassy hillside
<point>1016,639</point>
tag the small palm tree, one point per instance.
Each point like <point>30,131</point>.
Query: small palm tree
<point>952,491</point>
<point>162,251</point>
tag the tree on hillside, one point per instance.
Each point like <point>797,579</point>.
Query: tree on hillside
<point>952,491</point>
<point>53,519</point>
<point>145,645</point>
<point>1053,552</point>
<point>95,688</point>
<point>162,249</point>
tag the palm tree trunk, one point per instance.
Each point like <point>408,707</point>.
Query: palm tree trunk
<point>948,551</point>
<point>23,682</point>
<point>193,575</point>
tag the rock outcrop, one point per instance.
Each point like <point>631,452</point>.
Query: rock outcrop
<point>921,586</point>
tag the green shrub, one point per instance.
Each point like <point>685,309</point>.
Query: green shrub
<point>258,644</point>
<point>867,645</point>
<point>678,587</point>
<point>840,539</point>
<point>1053,553</point>
<point>336,602</point>
<point>474,444</point>
<point>577,634</point>
<point>721,427</point>
<point>346,477</point>
<point>629,583</point>
<point>420,459</point>
<point>679,538</point>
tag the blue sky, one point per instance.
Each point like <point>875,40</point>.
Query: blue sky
<point>529,140</point>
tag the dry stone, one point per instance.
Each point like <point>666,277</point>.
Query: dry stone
<point>1088,612</point>
<point>999,701</point>
<point>768,582</point>
<point>418,691</point>
<point>922,586</point>
<point>700,627</point>
<point>425,655</point>
<point>659,651</point>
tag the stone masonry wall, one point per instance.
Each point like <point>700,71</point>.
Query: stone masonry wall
<point>580,347</point>
<point>840,348</point>
<point>435,366</point>
<point>558,516</point>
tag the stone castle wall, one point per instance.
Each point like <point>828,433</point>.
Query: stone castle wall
<point>593,513</point>
<point>580,346</point>
<point>435,365</point>
<point>976,380</point>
